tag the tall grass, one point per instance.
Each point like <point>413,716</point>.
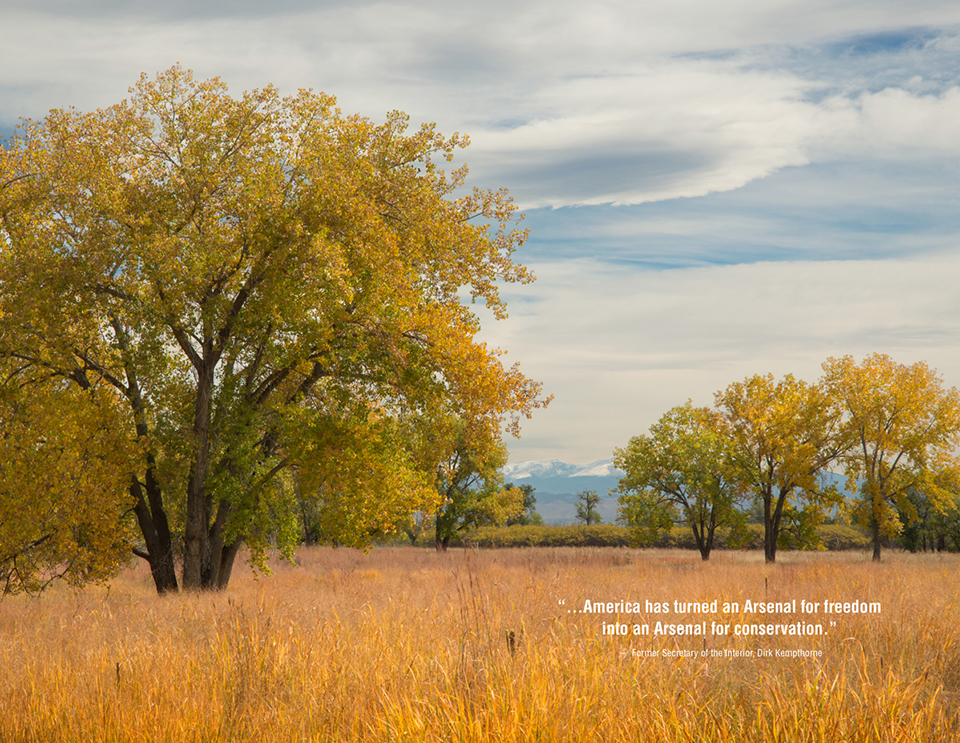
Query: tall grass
<point>406,645</point>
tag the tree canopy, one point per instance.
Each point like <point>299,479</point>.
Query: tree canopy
<point>687,463</point>
<point>254,290</point>
<point>902,429</point>
<point>785,434</point>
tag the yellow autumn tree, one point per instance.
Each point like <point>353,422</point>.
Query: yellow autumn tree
<point>272,290</point>
<point>784,435</point>
<point>902,429</point>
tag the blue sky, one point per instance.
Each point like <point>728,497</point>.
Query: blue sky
<point>713,190</point>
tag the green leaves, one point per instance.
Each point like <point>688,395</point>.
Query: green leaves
<point>470,485</point>
<point>686,464</point>
<point>271,289</point>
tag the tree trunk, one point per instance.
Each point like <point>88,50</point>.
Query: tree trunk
<point>196,547</point>
<point>703,538</point>
<point>772,521</point>
<point>151,515</point>
<point>769,543</point>
<point>156,535</point>
<point>213,559</point>
<point>770,531</point>
<point>875,528</point>
<point>708,541</point>
<point>196,544</point>
<point>227,558</point>
<point>438,530</point>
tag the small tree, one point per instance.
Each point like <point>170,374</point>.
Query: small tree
<point>686,464</point>
<point>587,502</point>
<point>471,489</point>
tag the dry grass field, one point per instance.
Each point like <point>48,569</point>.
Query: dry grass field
<point>404,644</point>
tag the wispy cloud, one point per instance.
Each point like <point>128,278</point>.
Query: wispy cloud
<point>841,209</point>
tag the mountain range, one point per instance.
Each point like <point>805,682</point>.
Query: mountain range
<point>554,468</point>
<point>557,483</point>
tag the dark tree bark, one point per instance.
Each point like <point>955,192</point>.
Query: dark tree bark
<point>227,558</point>
<point>772,517</point>
<point>156,535</point>
<point>704,534</point>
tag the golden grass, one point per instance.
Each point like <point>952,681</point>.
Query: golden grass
<point>407,645</point>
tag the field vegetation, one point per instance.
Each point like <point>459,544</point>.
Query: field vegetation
<point>405,644</point>
<point>830,536</point>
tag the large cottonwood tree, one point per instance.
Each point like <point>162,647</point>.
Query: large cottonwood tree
<point>902,429</point>
<point>261,290</point>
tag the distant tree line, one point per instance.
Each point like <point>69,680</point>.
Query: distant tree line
<point>891,430</point>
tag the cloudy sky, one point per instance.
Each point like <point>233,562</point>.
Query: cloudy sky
<point>713,189</point>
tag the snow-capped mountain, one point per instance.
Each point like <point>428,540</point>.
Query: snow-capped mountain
<point>556,484</point>
<point>603,468</point>
<point>552,468</point>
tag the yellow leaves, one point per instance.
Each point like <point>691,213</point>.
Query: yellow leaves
<point>356,472</point>
<point>893,428</point>
<point>65,472</point>
<point>511,503</point>
<point>225,262</point>
<point>902,429</point>
<point>790,425</point>
<point>898,407</point>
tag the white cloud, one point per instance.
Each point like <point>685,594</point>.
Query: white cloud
<point>620,347</point>
<point>688,128</point>
<point>893,122</point>
<point>567,103</point>
<point>681,128</point>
